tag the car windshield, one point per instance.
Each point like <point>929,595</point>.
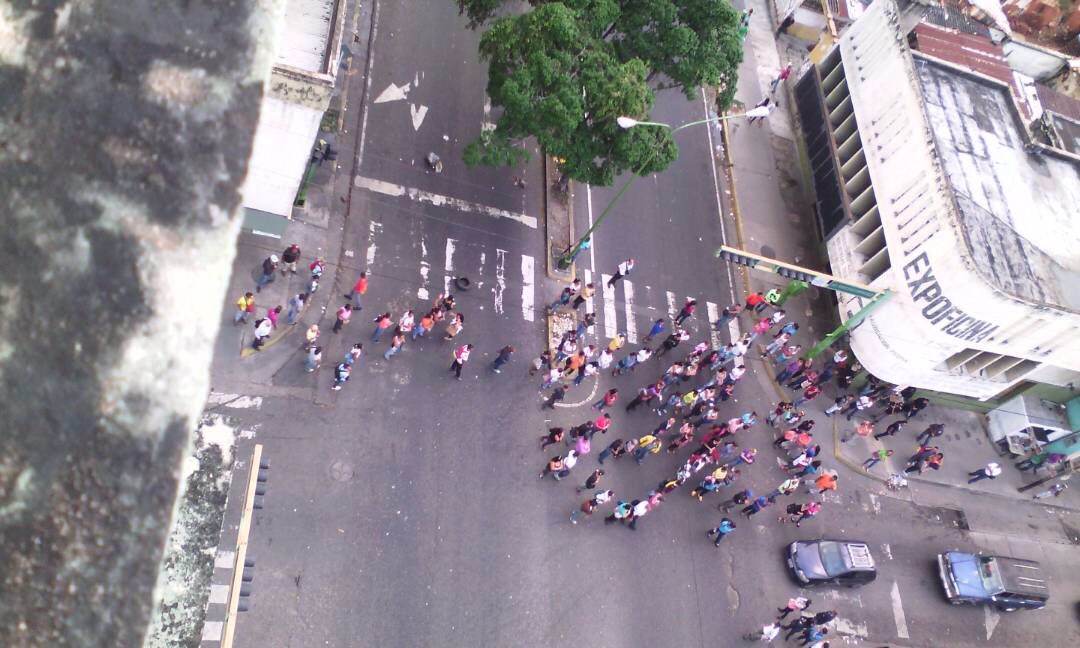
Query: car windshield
<point>990,576</point>
<point>832,558</point>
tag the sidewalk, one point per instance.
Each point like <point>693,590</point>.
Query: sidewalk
<point>775,218</point>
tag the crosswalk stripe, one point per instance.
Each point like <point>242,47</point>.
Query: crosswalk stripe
<point>631,326</point>
<point>527,287</point>
<point>671,309</point>
<point>733,329</point>
<point>425,268</point>
<point>609,307</point>
<point>588,300</point>
<point>500,279</point>
<point>714,314</point>
<point>448,266</point>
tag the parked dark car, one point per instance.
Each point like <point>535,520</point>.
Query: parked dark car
<point>1006,583</point>
<point>836,562</point>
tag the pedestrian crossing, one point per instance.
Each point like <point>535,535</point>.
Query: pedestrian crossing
<point>504,282</point>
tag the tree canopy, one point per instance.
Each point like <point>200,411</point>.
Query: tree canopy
<point>564,70</point>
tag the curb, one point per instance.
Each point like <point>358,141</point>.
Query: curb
<point>839,456</point>
<point>733,198</point>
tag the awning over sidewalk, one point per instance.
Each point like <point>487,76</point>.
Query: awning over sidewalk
<point>264,223</point>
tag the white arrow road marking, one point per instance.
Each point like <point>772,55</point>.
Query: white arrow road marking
<point>393,93</point>
<point>898,613</point>
<point>391,189</point>
<point>418,113</point>
<point>992,618</point>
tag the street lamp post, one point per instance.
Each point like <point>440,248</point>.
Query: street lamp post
<point>629,122</point>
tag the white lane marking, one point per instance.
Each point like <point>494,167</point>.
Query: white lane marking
<point>671,308</point>
<point>500,279</point>
<point>393,92</point>
<point>417,113</point>
<point>425,268</point>
<point>391,189</point>
<point>234,401</point>
<point>211,630</point>
<point>898,613</point>
<point>224,560</point>
<point>992,617</point>
<point>589,300</point>
<point>480,272</point>
<point>631,325</point>
<point>219,594</point>
<point>448,266</point>
<point>714,314</point>
<point>609,307</point>
<point>527,287</point>
<point>733,329</point>
<point>716,190</point>
<point>367,84</point>
<point>373,229</point>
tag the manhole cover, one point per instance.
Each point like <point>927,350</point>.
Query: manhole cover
<point>341,470</point>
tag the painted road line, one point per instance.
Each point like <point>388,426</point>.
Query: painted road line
<point>628,297</point>
<point>609,307</point>
<point>211,630</point>
<point>500,279</point>
<point>716,186</point>
<point>527,287</point>
<point>374,229</point>
<point>733,329</point>
<point>448,266</point>
<point>714,314</point>
<point>991,618</point>
<point>671,308</point>
<point>219,594</point>
<point>224,560</point>
<point>425,268</point>
<point>898,613</point>
<point>419,195</point>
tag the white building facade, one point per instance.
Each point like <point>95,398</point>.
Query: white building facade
<point>928,184</point>
<point>297,95</point>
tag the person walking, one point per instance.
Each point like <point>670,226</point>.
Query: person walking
<point>756,506</point>
<point>554,435</point>
<point>892,429</point>
<point>382,322</point>
<point>721,530</point>
<point>825,481</point>
<point>311,335</point>
<point>313,358</point>
<point>563,299</point>
<point>541,363</point>
<point>738,499</point>
<point>554,467</point>
<point>557,395</point>
<point>786,487</point>
<point>590,505</point>
<point>586,294</point>
<point>245,306</point>
<point>795,604</point>
<point>615,449</point>
<point>839,404</point>
<point>343,315</point>
<point>912,408</point>
<point>673,340</point>
<point>800,624</point>
<point>502,358</point>
<point>353,354</point>
<point>726,315</point>
<point>295,305</point>
<point>863,429</point>
<point>861,404</point>
<point>623,270</point>
<point>686,311</point>
<point>358,289</point>
<point>269,265</point>
<point>289,258</point>
<point>638,511</point>
<point>802,512</point>
<point>607,400</point>
<point>341,375</point>
<point>620,514</point>
<point>647,444</point>
<point>396,341</point>
<point>932,431</point>
<point>585,325</point>
<point>813,634</point>
<point>263,328</point>
<point>457,323</point>
<point>616,342</point>
<point>1053,491</point>
<point>991,471</point>
<point>781,76</point>
<point>654,330</point>
<point>461,356</point>
<point>810,393</point>
<point>426,323</point>
<point>316,267</point>
<point>766,634</point>
<point>879,455</point>
<point>592,480</point>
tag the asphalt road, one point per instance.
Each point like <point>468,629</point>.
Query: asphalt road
<point>405,510</point>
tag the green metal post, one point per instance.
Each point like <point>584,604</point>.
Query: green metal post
<point>874,303</point>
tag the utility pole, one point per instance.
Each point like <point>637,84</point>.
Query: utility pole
<point>814,278</point>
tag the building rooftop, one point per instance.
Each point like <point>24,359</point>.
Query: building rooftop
<point>306,34</point>
<point>1016,205</point>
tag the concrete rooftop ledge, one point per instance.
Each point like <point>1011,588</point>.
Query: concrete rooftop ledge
<point>125,127</point>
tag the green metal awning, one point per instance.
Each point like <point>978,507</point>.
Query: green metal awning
<point>264,223</point>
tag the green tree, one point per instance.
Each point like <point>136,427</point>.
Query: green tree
<point>556,80</point>
<point>564,70</point>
